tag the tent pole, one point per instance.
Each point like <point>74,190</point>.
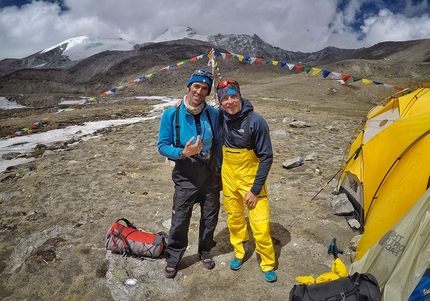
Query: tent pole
<point>325,185</point>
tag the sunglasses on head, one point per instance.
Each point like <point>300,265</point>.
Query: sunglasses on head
<point>202,72</point>
<point>227,82</point>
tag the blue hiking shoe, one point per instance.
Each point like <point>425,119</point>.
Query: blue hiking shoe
<point>270,276</point>
<point>236,264</point>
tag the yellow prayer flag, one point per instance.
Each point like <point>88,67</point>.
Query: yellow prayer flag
<point>315,71</point>
<point>367,81</point>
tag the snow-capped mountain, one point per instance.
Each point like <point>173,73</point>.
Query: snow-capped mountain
<point>79,48</point>
<point>82,47</point>
<point>71,51</point>
<point>234,43</point>
<point>85,46</point>
<point>180,32</point>
<point>65,54</point>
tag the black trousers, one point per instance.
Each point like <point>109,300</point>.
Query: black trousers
<point>194,183</point>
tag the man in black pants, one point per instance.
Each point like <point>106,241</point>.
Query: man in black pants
<point>190,134</point>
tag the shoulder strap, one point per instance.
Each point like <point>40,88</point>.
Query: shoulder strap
<point>127,222</point>
<point>178,139</point>
<point>247,134</point>
<point>210,121</point>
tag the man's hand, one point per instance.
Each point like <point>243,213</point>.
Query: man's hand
<point>250,200</point>
<point>192,149</point>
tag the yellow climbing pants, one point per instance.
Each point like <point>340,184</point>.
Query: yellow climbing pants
<point>239,168</point>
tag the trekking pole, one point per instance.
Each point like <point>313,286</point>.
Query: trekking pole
<point>325,185</point>
<point>333,249</point>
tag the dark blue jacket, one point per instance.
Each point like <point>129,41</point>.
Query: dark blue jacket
<point>259,139</point>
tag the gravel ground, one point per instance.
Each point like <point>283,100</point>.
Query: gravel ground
<point>56,209</point>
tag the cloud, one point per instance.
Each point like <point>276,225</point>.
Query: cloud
<point>296,25</point>
<point>27,25</point>
<point>395,27</point>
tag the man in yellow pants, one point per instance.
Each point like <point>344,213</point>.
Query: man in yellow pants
<point>247,159</point>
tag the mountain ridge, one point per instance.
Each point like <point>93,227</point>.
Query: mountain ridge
<point>70,52</point>
<point>100,72</point>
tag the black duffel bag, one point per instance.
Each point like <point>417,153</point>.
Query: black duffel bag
<point>358,287</point>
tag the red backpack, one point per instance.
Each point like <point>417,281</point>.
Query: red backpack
<point>130,241</point>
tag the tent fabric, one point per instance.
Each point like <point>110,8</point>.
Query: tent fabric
<point>389,167</point>
<point>401,257</point>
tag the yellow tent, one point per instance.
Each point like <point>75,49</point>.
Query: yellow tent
<point>388,166</point>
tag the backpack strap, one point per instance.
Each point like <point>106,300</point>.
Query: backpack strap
<point>247,134</point>
<point>118,233</point>
<point>177,128</point>
<point>127,222</point>
<point>210,121</point>
<point>178,139</point>
<point>126,243</point>
<point>160,237</point>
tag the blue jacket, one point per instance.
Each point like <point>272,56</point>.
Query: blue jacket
<point>188,129</point>
<point>234,137</point>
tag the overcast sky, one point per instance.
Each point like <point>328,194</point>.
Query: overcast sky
<point>29,26</point>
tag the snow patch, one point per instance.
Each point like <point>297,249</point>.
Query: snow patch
<point>26,143</point>
<point>9,105</point>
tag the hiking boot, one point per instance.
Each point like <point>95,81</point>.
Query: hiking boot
<point>270,276</point>
<point>207,261</point>
<point>170,272</point>
<point>236,264</point>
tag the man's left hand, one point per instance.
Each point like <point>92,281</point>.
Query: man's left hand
<point>250,200</point>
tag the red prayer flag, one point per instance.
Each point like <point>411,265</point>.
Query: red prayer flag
<point>345,77</point>
<point>299,68</point>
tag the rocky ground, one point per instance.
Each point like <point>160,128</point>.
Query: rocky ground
<point>56,210</point>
